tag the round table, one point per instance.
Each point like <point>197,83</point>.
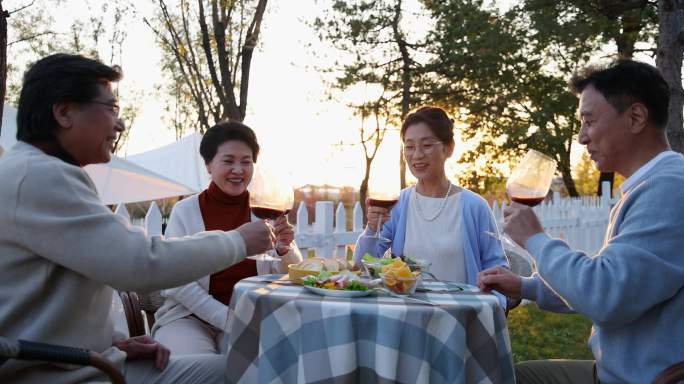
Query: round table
<point>282,333</point>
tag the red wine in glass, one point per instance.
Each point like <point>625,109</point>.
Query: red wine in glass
<point>529,201</point>
<point>387,204</point>
<point>266,213</point>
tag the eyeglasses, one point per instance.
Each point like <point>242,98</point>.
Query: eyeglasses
<point>113,107</point>
<point>426,147</point>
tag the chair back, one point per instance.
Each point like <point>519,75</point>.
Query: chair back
<point>134,319</point>
<point>672,375</point>
<point>150,303</point>
<point>135,304</point>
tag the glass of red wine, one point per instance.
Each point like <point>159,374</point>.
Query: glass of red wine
<point>530,181</point>
<point>381,194</point>
<point>270,197</point>
<point>528,184</point>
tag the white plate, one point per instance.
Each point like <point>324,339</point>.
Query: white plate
<point>338,292</point>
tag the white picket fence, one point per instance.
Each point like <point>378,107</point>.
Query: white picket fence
<point>581,222</point>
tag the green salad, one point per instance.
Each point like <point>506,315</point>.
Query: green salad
<point>375,260</point>
<point>342,281</point>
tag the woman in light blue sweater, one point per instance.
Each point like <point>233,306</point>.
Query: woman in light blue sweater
<point>435,220</point>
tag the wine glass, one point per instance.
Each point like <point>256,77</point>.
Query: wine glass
<point>270,196</point>
<point>528,184</point>
<point>530,181</point>
<point>381,193</point>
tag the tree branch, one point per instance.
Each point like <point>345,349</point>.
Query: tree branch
<point>206,45</point>
<point>223,62</point>
<point>251,39</point>
<point>195,66</point>
<point>8,14</point>
<point>174,45</point>
<point>31,37</point>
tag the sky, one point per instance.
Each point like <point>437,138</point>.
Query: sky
<point>303,134</point>
<point>301,131</point>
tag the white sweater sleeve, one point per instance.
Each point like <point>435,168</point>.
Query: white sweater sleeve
<point>193,296</point>
<point>71,227</point>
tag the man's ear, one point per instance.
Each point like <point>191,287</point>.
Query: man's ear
<point>450,149</point>
<point>638,116</point>
<point>62,114</point>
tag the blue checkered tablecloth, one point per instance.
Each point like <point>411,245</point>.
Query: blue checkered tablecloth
<point>282,333</point>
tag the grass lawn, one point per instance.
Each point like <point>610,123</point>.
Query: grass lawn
<point>537,334</point>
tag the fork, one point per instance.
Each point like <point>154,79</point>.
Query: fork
<point>421,301</point>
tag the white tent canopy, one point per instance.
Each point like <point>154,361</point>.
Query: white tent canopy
<point>121,181</point>
<point>178,161</point>
<point>118,181</point>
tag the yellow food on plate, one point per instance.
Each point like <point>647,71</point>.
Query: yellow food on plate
<point>399,278</point>
<point>314,265</point>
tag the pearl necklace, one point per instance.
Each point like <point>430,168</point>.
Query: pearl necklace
<point>441,207</point>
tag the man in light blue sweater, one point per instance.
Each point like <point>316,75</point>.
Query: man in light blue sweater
<point>633,289</point>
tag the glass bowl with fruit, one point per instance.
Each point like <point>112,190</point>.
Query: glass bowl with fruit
<point>398,278</point>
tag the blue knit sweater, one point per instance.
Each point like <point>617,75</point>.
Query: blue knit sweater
<point>633,290</point>
<point>480,250</point>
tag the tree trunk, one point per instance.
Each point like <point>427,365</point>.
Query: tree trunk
<point>251,40</point>
<point>406,83</point>
<point>605,176</point>
<point>363,189</point>
<point>566,173</point>
<point>669,61</point>
<point>3,59</point>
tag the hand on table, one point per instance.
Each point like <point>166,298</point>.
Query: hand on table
<point>500,279</point>
<point>375,214</point>
<point>145,348</point>
<point>284,233</point>
<point>521,223</point>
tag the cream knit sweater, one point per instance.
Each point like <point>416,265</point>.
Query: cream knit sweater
<point>61,253</point>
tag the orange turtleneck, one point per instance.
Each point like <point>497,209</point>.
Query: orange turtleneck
<point>221,211</point>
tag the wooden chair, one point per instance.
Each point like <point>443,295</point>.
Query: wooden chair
<point>28,350</point>
<point>672,375</point>
<point>134,319</point>
<point>135,304</point>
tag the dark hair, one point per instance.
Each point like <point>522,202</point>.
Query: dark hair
<point>436,119</point>
<point>625,82</point>
<point>224,131</point>
<point>58,78</point>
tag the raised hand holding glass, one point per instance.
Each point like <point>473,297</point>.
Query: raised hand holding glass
<point>270,196</point>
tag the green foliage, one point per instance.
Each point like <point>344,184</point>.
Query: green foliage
<point>372,49</point>
<point>586,176</point>
<point>32,34</point>
<point>363,32</point>
<point>506,83</point>
<point>623,23</point>
<point>488,181</point>
<point>537,334</point>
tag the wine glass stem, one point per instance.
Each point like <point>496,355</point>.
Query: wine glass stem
<point>379,228</point>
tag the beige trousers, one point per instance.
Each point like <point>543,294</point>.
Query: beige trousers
<point>191,336</point>
<point>195,369</point>
<point>556,372</point>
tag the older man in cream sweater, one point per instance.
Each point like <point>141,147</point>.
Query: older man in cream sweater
<point>62,251</point>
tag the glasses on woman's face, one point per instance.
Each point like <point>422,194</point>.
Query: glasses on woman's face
<point>113,107</point>
<point>426,147</point>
